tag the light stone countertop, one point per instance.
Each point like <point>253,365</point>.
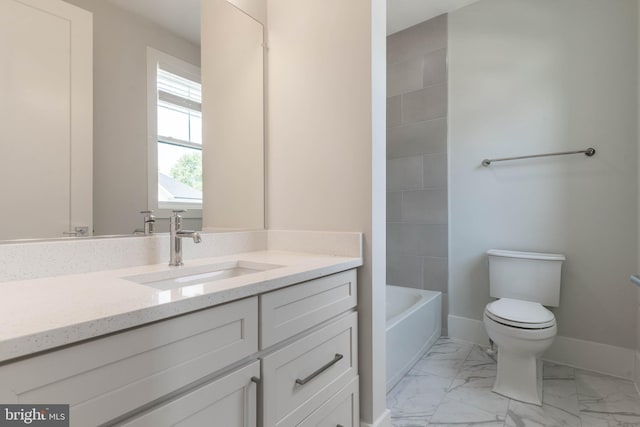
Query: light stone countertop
<point>42,314</point>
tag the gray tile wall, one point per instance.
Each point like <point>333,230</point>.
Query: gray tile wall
<point>417,235</point>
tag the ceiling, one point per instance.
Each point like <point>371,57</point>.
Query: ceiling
<point>403,14</point>
<point>182,17</point>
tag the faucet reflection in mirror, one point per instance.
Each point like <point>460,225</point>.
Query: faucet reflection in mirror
<point>176,234</point>
<point>149,224</point>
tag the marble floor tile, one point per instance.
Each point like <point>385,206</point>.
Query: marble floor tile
<point>471,424</point>
<point>525,415</point>
<point>474,382</point>
<point>454,412</point>
<point>441,367</point>
<point>559,407</point>
<point>590,421</point>
<point>449,349</point>
<point>480,354</point>
<point>561,394</point>
<point>445,359</point>
<point>480,397</point>
<point>408,422</point>
<point>417,397</point>
<point>607,399</point>
<point>554,371</point>
<point>451,386</point>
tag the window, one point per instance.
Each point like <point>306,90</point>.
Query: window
<point>175,128</point>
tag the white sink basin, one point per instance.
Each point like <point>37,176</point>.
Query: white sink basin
<point>181,277</point>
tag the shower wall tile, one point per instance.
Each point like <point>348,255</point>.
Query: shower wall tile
<point>405,76</point>
<point>417,239</point>
<point>445,314</point>
<point>404,270</point>
<point>418,40</point>
<point>394,111</point>
<point>425,206</point>
<point>435,171</point>
<point>429,137</point>
<point>434,68</point>
<point>436,274</point>
<point>394,205</point>
<point>417,205</point>
<point>426,104</point>
<point>405,173</point>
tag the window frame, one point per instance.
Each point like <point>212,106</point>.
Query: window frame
<point>157,59</point>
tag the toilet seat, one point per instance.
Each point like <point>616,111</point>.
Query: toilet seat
<point>520,314</point>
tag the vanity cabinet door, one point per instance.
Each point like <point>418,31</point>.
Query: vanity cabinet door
<point>229,401</point>
<point>341,410</point>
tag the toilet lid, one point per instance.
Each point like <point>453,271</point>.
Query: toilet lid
<point>522,314</point>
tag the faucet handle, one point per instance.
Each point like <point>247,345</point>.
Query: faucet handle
<point>178,211</point>
<point>146,212</point>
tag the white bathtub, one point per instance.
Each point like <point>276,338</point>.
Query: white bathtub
<point>413,325</point>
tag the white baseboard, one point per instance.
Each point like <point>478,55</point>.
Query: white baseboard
<point>592,356</point>
<point>465,329</point>
<point>589,355</point>
<point>383,420</point>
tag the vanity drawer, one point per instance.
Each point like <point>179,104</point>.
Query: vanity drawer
<point>298,378</point>
<point>108,377</point>
<point>291,310</point>
<point>341,410</point>
<point>229,401</point>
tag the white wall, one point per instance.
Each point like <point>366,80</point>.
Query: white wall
<point>257,9</point>
<point>325,150</point>
<point>531,77</point>
<point>233,112</point>
<point>120,111</point>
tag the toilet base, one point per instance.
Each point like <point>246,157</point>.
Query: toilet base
<point>519,377</point>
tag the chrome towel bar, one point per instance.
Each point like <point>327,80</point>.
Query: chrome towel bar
<point>635,279</point>
<point>588,152</point>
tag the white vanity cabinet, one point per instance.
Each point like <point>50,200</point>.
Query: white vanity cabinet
<point>282,358</point>
<point>300,377</point>
<point>229,401</point>
<point>341,410</point>
<point>108,377</point>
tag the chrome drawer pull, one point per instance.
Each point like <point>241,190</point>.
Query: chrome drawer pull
<point>335,360</point>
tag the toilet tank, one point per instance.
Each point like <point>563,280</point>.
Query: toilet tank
<point>528,276</point>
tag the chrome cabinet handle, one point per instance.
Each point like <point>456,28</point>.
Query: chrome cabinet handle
<point>250,403</point>
<point>635,279</point>
<point>335,360</point>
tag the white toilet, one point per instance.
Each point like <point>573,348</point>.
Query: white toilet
<point>519,325</point>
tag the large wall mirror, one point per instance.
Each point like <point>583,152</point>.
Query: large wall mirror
<point>167,127</point>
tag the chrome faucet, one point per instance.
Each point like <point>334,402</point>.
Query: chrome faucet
<point>176,235</point>
<point>149,224</point>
